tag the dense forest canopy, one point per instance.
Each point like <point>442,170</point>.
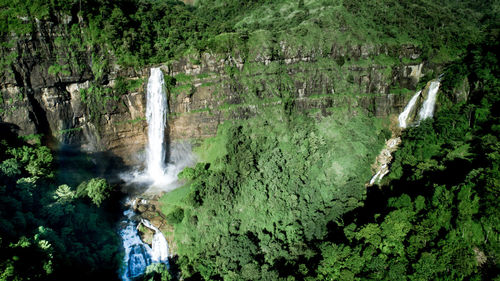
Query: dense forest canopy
<point>280,196</point>
<point>51,231</point>
<point>143,32</point>
<point>276,206</point>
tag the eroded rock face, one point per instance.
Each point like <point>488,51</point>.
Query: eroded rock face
<point>16,109</point>
<point>209,90</point>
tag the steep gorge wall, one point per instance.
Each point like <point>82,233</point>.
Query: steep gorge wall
<point>218,89</point>
<point>204,90</point>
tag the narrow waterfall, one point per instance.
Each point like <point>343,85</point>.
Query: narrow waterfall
<point>156,115</point>
<point>403,117</point>
<point>427,109</point>
<point>384,159</point>
<point>375,177</point>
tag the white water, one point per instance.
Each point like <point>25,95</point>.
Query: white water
<point>427,109</point>
<point>157,174</point>
<point>160,245</point>
<point>156,116</point>
<point>181,157</point>
<point>137,253</point>
<point>403,117</point>
<point>375,177</point>
<point>384,159</point>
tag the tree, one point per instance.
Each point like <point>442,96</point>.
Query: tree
<point>64,193</point>
<point>97,189</point>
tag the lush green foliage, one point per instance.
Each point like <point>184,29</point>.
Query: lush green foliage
<point>47,232</point>
<point>157,272</point>
<point>282,195</point>
<point>143,32</point>
<point>259,210</point>
<point>96,34</point>
<point>97,189</point>
<point>438,218</point>
<point>286,201</point>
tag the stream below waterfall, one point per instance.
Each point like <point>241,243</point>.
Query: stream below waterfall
<point>137,253</point>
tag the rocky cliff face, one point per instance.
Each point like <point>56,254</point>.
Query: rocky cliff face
<point>203,91</point>
<point>216,89</point>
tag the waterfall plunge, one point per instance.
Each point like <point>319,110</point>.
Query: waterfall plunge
<point>427,109</point>
<point>157,174</point>
<point>403,117</point>
<point>138,255</point>
<point>156,115</point>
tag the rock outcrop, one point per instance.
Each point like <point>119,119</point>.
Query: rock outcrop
<point>203,92</point>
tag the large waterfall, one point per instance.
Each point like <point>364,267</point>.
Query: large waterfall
<point>138,255</point>
<point>156,114</point>
<point>403,117</point>
<point>427,109</point>
<point>158,174</point>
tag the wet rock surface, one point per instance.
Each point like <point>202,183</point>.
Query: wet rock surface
<point>148,208</point>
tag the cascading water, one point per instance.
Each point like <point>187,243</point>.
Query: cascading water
<point>157,174</point>
<point>403,117</point>
<point>160,245</point>
<point>137,253</point>
<point>427,109</point>
<point>156,114</point>
<point>384,159</point>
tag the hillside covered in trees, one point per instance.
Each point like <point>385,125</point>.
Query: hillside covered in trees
<point>278,195</point>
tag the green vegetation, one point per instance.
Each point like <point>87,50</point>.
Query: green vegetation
<point>123,86</point>
<point>145,32</point>
<point>285,200</point>
<point>438,216</point>
<point>280,196</point>
<point>270,194</point>
<point>50,232</point>
<point>98,35</point>
<point>96,189</point>
<point>69,131</point>
<point>96,98</point>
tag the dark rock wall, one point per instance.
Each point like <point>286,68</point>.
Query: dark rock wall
<point>209,89</point>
